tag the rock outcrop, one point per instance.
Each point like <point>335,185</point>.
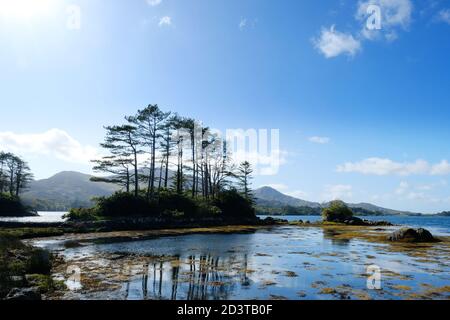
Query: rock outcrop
<point>412,235</point>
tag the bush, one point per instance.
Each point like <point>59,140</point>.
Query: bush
<point>82,214</point>
<point>338,211</point>
<point>123,204</point>
<point>168,204</point>
<point>206,210</point>
<point>234,205</point>
<point>174,202</point>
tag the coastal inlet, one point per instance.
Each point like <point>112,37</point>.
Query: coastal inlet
<point>282,262</point>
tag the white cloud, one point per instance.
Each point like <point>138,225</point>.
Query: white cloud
<point>333,43</point>
<point>441,169</point>
<point>165,21</point>
<point>245,23</point>
<point>299,194</point>
<point>54,142</point>
<point>154,3</point>
<point>338,192</point>
<point>383,167</point>
<point>444,16</point>
<point>394,13</point>
<point>402,188</point>
<point>319,140</point>
<point>264,164</point>
<point>242,23</point>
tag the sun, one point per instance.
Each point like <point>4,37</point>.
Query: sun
<point>25,9</point>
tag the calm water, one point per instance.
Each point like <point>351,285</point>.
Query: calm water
<point>436,225</point>
<point>44,217</point>
<point>277,263</point>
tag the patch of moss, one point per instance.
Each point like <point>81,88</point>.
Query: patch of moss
<point>328,291</point>
<point>290,274</point>
<point>402,287</point>
<point>276,297</point>
<point>45,283</point>
<point>30,233</point>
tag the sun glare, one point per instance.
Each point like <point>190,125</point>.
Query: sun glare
<point>25,9</point>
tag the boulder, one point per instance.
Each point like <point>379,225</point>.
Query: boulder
<point>24,294</point>
<point>354,221</point>
<point>412,235</point>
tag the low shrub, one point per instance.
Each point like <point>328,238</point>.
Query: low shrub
<point>234,205</point>
<point>123,204</point>
<point>337,211</point>
<point>169,201</point>
<point>82,214</point>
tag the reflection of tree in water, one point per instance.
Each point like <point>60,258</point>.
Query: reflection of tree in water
<point>331,235</point>
<point>202,277</point>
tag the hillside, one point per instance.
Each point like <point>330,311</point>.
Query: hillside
<point>267,196</point>
<point>69,189</point>
<point>64,191</point>
<point>272,201</point>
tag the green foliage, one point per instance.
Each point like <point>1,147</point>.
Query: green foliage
<point>288,211</point>
<point>234,205</point>
<point>82,214</point>
<point>30,233</point>
<point>168,204</point>
<point>45,283</point>
<point>178,202</point>
<point>18,260</point>
<point>338,211</point>
<point>11,205</point>
<point>123,204</point>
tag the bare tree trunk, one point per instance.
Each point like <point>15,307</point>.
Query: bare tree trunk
<point>193,161</point>
<point>136,177</point>
<point>152,170</point>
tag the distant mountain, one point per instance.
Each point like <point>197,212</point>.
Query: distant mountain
<point>274,201</point>
<point>69,189</point>
<point>65,190</point>
<point>267,196</point>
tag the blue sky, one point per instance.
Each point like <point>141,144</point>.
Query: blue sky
<point>363,114</point>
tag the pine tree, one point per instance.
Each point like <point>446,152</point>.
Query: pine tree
<point>244,176</point>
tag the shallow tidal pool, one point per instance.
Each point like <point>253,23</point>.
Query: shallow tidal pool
<point>285,262</point>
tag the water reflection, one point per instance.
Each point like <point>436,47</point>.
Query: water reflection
<point>203,277</point>
<point>331,235</point>
<point>284,262</point>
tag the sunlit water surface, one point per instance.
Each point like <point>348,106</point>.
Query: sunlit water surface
<point>278,263</point>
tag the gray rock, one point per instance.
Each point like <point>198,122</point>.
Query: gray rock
<point>412,235</point>
<point>24,294</point>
